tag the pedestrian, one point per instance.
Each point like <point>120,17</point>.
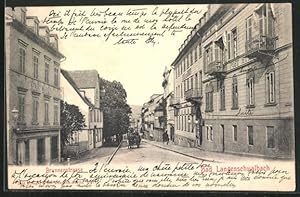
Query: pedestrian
<point>165,137</point>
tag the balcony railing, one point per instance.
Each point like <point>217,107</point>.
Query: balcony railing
<point>215,68</point>
<point>174,101</point>
<point>259,43</point>
<point>193,94</point>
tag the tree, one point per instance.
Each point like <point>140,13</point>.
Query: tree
<point>71,120</point>
<point>115,109</point>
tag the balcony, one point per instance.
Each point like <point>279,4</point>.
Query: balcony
<point>216,68</point>
<point>194,94</point>
<point>260,46</point>
<point>174,102</point>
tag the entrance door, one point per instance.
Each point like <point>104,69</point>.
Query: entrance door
<point>172,134</point>
<point>94,136</point>
<point>222,133</point>
<point>54,148</point>
<point>199,134</point>
<point>41,151</point>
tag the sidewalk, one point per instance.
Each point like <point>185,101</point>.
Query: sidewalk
<point>100,154</point>
<point>210,156</point>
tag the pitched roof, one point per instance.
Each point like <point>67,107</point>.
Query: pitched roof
<point>68,77</point>
<point>85,78</point>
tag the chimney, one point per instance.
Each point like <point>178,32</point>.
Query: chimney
<point>33,24</point>
<point>44,33</point>
<point>54,40</point>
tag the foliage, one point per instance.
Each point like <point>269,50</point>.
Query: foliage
<point>115,109</point>
<point>71,120</point>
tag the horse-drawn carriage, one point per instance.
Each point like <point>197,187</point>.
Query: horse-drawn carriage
<point>133,139</point>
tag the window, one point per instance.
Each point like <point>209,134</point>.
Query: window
<point>22,59</point>
<point>234,130</point>
<point>55,113</point>
<point>264,16</point>
<point>192,58</point>
<point>200,50</point>
<point>234,93</point>
<point>229,46</point>
<point>209,133</point>
<point>21,108</point>
<point>270,137</point>
<point>56,77</point>
<point>209,98</point>
<point>35,67</point>
<point>195,55</point>
<point>181,67</point>
<point>35,110</point>
<point>250,91</point>
<point>47,72</point>
<point>234,43</point>
<point>208,58</point>
<point>250,135</point>
<point>222,95</point>
<point>46,121</point>
<point>270,87</point>
<point>196,81</point>
<point>36,27</point>
<point>249,29</point>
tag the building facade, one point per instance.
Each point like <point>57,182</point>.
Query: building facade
<point>88,83</point>
<point>168,97</point>
<point>246,69</point>
<point>152,118</point>
<point>33,90</point>
<point>89,137</point>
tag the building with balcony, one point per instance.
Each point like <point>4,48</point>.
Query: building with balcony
<point>32,90</point>
<point>74,91</point>
<point>246,67</point>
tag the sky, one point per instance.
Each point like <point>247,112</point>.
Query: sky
<point>138,67</point>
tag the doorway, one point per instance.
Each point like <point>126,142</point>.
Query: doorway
<point>41,151</point>
<point>172,133</point>
<point>223,140</point>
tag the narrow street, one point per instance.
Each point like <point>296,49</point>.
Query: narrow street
<point>148,153</point>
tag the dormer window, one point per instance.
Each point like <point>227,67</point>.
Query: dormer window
<point>47,36</point>
<point>36,27</point>
<point>23,16</point>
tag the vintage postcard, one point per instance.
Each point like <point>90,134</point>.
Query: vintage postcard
<point>150,97</point>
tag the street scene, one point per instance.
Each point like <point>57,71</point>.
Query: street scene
<point>137,85</point>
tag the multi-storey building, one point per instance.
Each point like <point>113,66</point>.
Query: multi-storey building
<point>245,61</point>
<point>168,97</point>
<point>91,136</point>
<point>152,113</point>
<point>88,83</point>
<point>134,118</point>
<point>33,90</point>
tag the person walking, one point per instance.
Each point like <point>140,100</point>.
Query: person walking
<point>166,137</point>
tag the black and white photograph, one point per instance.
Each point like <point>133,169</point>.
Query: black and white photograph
<point>150,97</point>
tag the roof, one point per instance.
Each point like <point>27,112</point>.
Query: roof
<point>68,77</point>
<point>85,78</point>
